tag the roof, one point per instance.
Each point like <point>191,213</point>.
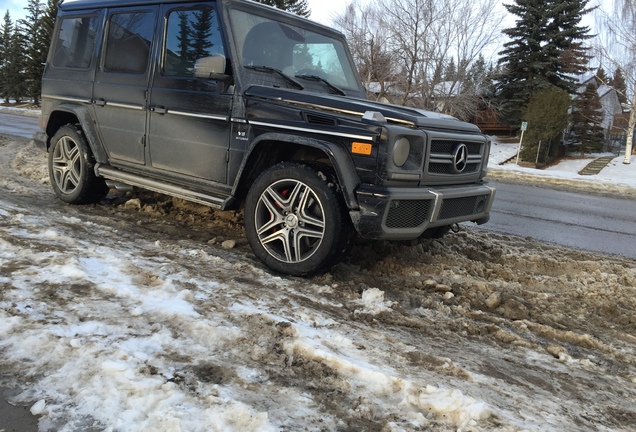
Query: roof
<point>84,4</point>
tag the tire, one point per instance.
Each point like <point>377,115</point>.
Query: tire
<point>295,219</point>
<point>71,166</point>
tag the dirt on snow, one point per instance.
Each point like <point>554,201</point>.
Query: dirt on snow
<point>545,336</point>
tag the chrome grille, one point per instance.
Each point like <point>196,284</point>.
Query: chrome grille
<point>445,168</point>
<point>441,158</point>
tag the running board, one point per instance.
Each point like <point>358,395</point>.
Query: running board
<point>161,187</point>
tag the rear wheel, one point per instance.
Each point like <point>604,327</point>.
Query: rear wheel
<point>71,168</point>
<point>295,219</point>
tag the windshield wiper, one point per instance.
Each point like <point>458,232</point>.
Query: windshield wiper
<point>321,79</point>
<point>270,69</point>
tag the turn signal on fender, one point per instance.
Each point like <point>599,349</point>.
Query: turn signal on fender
<point>361,148</point>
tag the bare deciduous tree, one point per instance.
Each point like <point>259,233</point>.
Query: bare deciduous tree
<point>369,47</point>
<point>406,47</point>
<point>617,45</point>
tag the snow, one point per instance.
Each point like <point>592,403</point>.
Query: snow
<point>136,318</point>
<point>616,177</point>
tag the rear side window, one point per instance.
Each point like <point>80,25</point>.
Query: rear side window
<point>75,43</point>
<point>128,42</point>
<point>191,35</point>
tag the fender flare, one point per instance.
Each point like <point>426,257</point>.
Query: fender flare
<point>87,124</point>
<point>340,160</point>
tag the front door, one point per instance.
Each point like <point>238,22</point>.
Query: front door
<point>189,122</point>
<point>121,83</point>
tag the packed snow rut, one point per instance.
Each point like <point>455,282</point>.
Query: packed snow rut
<point>145,313</point>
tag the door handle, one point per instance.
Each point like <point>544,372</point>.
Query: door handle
<point>160,110</point>
<point>100,102</point>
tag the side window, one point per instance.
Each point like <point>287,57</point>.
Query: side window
<point>75,43</point>
<point>128,42</point>
<point>191,35</point>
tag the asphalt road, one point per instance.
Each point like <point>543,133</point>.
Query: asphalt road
<point>17,125</point>
<point>586,222</point>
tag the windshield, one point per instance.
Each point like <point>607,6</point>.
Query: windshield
<point>294,51</point>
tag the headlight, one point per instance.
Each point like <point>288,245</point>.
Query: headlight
<point>401,150</point>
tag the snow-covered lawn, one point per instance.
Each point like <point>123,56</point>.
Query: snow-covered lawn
<point>616,177</point>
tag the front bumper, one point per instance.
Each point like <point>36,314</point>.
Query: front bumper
<point>391,213</point>
<point>41,140</point>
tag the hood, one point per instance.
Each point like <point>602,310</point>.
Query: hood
<point>355,107</point>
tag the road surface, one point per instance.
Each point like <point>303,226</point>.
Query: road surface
<point>17,125</point>
<point>580,221</point>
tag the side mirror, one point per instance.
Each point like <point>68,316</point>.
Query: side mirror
<point>212,67</point>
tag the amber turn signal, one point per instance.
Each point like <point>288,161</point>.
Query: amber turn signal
<point>361,148</point>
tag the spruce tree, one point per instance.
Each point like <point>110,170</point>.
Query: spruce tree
<point>601,76</point>
<point>618,83</point>
<point>36,48</point>
<point>299,7</point>
<point>586,120</point>
<point>546,49</point>
<point>12,84</point>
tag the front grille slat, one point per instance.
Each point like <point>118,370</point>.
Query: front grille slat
<point>441,157</point>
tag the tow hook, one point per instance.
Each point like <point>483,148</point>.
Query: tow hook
<point>454,228</point>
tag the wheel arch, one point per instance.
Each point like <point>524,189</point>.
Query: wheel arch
<point>76,115</point>
<point>272,148</point>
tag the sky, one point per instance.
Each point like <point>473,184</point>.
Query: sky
<point>322,11</point>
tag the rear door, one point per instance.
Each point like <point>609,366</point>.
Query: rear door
<point>121,83</point>
<point>189,122</point>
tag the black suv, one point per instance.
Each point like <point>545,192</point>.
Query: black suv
<point>234,104</point>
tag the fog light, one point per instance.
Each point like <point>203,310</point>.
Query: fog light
<point>401,150</point>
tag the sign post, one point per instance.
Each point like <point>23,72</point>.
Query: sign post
<point>524,126</point>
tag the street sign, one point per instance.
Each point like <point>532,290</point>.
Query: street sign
<point>524,126</point>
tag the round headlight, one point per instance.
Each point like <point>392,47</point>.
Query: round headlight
<point>401,150</point>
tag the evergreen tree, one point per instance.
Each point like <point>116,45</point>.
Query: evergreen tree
<point>547,117</point>
<point>299,7</point>
<point>12,84</point>
<point>566,37</point>
<point>618,83</point>
<point>48,23</point>
<point>586,120</point>
<point>36,48</point>
<point>450,71</point>
<point>546,49</point>
<point>601,77</point>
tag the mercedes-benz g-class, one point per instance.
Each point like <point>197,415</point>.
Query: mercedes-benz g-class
<point>234,104</point>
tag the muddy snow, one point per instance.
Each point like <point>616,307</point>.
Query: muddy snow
<point>146,313</point>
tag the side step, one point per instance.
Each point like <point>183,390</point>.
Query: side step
<point>161,187</point>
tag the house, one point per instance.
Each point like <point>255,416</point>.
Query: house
<point>609,101</point>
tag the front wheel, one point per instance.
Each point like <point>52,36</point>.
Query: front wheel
<point>71,168</point>
<point>295,220</point>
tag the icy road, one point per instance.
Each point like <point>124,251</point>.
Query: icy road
<point>146,313</point>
